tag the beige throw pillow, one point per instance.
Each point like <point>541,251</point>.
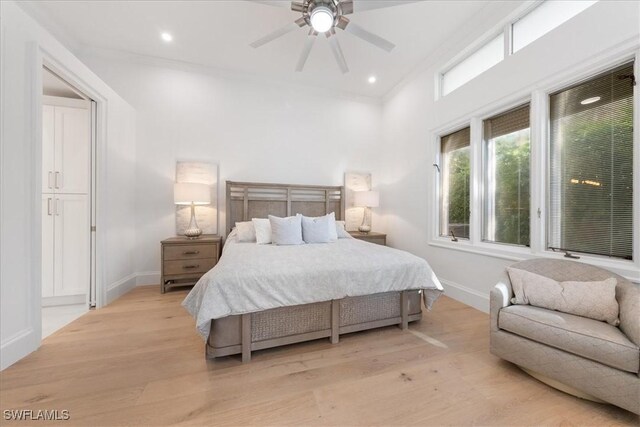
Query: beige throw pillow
<point>595,300</point>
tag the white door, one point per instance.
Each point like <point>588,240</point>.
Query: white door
<point>72,150</point>
<point>48,137</point>
<point>47,245</point>
<point>72,244</point>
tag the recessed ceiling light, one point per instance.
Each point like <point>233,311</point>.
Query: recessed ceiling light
<point>372,79</point>
<point>590,100</point>
<point>166,37</point>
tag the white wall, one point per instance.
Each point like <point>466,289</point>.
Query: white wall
<point>20,207</point>
<point>411,114</point>
<point>255,131</point>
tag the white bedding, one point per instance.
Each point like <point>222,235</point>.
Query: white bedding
<point>251,277</point>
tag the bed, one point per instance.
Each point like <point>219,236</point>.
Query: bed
<point>262,296</point>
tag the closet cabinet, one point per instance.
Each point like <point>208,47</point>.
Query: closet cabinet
<point>66,149</point>
<point>66,207</point>
<point>65,245</point>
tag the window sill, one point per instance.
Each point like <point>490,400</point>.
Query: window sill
<point>627,269</point>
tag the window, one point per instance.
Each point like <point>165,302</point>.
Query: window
<point>455,162</point>
<point>481,60</point>
<point>544,18</point>
<point>591,166</point>
<point>506,151</point>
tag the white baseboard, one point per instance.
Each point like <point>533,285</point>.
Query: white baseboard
<point>144,278</point>
<point>121,287</point>
<point>64,300</point>
<point>17,346</point>
<point>472,297</point>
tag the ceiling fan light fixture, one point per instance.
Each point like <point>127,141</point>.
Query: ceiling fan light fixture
<point>321,19</point>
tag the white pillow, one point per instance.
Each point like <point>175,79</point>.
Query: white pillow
<point>316,230</point>
<point>263,230</point>
<point>340,230</point>
<point>245,231</point>
<point>333,232</point>
<point>286,231</point>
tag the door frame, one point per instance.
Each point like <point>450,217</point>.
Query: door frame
<point>40,58</point>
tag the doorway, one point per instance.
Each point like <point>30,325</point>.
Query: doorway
<point>68,241</point>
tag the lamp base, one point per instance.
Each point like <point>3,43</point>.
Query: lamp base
<point>192,233</point>
<point>364,229</point>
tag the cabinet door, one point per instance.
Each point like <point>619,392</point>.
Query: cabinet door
<point>72,244</point>
<point>48,131</point>
<point>47,245</point>
<point>72,150</point>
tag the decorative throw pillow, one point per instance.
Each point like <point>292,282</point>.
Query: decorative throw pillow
<point>341,232</point>
<point>245,231</point>
<point>331,224</point>
<point>316,230</point>
<point>286,231</point>
<point>263,230</point>
<point>595,300</point>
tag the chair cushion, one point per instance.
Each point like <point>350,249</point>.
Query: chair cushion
<point>584,337</point>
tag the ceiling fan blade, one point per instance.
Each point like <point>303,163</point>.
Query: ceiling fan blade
<point>367,36</point>
<point>364,5</point>
<point>337,52</point>
<point>297,6</point>
<point>306,50</point>
<point>277,33</point>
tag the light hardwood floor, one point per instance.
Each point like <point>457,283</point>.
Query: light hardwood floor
<point>139,361</point>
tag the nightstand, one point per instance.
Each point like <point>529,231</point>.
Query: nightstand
<point>185,260</point>
<point>371,237</point>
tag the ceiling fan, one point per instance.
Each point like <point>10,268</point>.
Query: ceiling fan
<point>323,17</point>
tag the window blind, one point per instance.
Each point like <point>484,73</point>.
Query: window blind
<point>506,154</point>
<point>455,190</point>
<point>591,166</point>
<point>456,140</point>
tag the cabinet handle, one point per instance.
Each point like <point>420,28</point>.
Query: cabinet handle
<point>57,174</point>
<point>187,267</point>
<point>49,179</point>
<point>49,206</point>
<point>56,207</point>
<point>190,252</point>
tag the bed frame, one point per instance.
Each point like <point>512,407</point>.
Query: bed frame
<point>242,334</point>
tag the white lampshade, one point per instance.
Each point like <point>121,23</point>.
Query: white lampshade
<point>185,193</point>
<point>368,199</point>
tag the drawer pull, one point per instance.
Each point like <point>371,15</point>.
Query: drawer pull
<point>187,267</point>
<point>190,252</point>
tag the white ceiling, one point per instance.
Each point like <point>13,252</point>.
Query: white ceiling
<point>217,34</point>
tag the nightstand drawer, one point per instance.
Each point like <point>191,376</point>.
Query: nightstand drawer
<point>188,266</point>
<point>182,252</point>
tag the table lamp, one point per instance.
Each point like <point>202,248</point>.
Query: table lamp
<point>367,200</point>
<point>191,193</point>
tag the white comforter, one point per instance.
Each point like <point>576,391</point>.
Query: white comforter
<point>251,277</point>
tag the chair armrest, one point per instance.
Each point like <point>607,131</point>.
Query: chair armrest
<point>500,297</point>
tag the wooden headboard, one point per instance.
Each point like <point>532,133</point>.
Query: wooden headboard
<point>246,200</point>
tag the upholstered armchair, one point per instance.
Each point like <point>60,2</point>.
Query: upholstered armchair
<point>587,358</point>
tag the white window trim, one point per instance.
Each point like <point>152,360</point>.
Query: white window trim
<point>538,97</point>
